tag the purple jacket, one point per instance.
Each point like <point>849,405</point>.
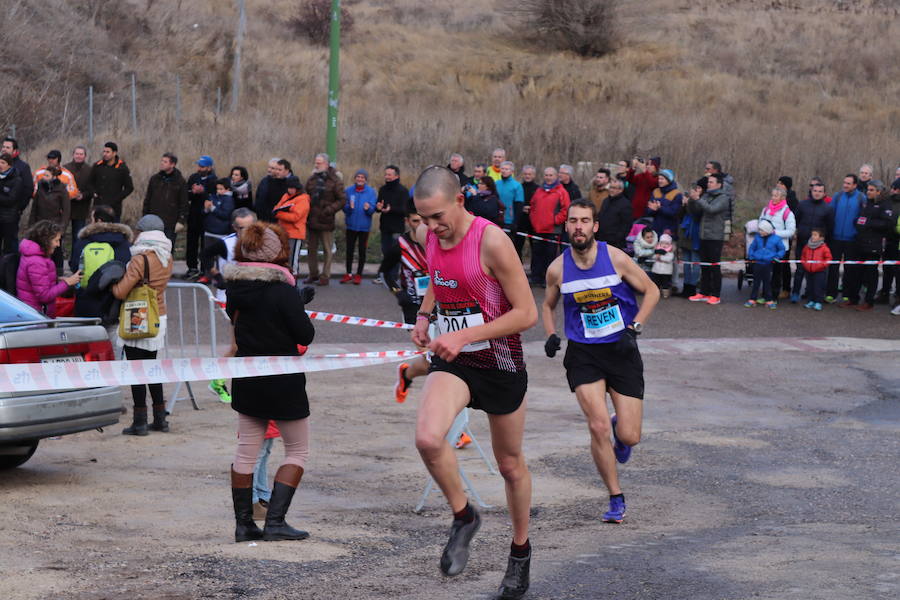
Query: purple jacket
<point>36,281</point>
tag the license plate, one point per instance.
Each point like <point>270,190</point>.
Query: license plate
<point>63,359</point>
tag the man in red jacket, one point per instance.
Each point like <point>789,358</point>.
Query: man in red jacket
<point>642,175</point>
<point>549,206</point>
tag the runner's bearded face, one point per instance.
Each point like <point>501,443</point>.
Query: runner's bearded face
<point>581,226</point>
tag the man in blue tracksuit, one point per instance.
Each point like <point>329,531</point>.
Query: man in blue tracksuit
<point>847,204</point>
<point>512,197</point>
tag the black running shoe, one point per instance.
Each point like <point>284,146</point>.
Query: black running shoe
<point>515,583</point>
<point>456,552</point>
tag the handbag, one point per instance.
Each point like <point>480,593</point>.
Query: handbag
<point>139,313</point>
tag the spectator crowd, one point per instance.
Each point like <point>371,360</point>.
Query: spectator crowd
<point>676,231</point>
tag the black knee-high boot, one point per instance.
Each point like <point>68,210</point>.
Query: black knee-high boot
<point>242,494</point>
<point>286,481</point>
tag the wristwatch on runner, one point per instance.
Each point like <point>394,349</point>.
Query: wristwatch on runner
<point>637,327</point>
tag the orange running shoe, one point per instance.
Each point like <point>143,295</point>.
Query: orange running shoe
<point>401,390</point>
<point>463,441</point>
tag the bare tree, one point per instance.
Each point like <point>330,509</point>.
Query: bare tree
<point>586,27</point>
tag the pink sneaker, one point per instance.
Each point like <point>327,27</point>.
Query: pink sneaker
<point>713,300</point>
<point>698,298</point>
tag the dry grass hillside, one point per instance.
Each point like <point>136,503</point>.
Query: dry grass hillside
<point>769,87</point>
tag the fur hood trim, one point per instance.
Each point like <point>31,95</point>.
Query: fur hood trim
<point>257,272</point>
<point>101,227</point>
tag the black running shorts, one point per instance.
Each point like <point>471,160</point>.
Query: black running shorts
<point>587,363</point>
<point>491,390</point>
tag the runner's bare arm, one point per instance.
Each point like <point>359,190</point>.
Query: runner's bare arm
<point>419,333</point>
<point>551,296</point>
<point>638,280</point>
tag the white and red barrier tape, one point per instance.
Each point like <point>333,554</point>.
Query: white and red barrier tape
<point>32,377</point>
<point>363,321</point>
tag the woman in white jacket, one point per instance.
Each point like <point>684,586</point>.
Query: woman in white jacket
<point>782,218</point>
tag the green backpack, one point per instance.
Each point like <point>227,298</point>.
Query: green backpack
<point>93,256</point>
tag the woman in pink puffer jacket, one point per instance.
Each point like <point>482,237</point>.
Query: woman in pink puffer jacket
<point>36,281</point>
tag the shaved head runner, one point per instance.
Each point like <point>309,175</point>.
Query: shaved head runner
<point>483,302</point>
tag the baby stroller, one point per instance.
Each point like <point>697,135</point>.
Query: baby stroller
<point>636,228</point>
<point>751,228</point>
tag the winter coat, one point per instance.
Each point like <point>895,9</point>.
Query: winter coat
<point>464,179</point>
<point>614,221</point>
<point>10,193</point>
<point>666,217</point>
<point>394,196</point>
<point>784,222</point>
<point>357,217</point>
<point>549,209</point>
<point>292,213</point>
<point>486,205</point>
<point>689,233</point>
<point>663,264</point>
<point>893,236</point>
<point>195,201</point>
<point>572,190</point>
<point>512,198</point>
<point>217,218</point>
<point>846,209</point>
<point>712,210</point>
<point>111,184</point>
<point>81,209</point>
<point>263,204</point>
<point>134,274</point>
<point>598,197</point>
<point>813,214</point>
<point>243,194</point>
<point>766,248</point>
<point>95,303</point>
<point>644,252</point>
<point>51,202</point>
<point>643,185</point>
<point>819,257</point>
<point>269,320</point>
<point>65,176</point>
<point>167,198</point>
<point>326,197</point>
<point>874,223</point>
<point>25,188</point>
<point>36,282</point>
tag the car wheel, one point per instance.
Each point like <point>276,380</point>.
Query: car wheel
<point>14,456</point>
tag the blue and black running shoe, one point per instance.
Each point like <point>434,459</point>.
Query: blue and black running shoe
<point>622,452</point>
<point>616,512</point>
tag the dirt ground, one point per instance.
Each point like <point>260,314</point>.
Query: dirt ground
<point>733,493</point>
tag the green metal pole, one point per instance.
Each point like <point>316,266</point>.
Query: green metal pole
<point>334,81</point>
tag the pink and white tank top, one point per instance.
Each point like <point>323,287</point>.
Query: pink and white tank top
<point>467,297</point>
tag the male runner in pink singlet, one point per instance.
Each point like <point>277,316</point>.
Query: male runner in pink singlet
<point>483,302</point>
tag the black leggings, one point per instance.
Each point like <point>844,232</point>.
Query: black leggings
<point>139,392</point>
<point>360,239</point>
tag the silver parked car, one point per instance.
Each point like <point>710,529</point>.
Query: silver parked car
<point>27,336</point>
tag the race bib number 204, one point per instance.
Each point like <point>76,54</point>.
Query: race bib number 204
<point>454,316</point>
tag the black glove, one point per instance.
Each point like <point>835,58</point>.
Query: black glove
<point>659,251</point>
<point>552,345</point>
<point>627,341</point>
<point>307,293</point>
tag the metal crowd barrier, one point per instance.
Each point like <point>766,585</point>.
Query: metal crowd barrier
<point>191,329</point>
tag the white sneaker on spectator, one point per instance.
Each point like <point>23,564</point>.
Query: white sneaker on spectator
<point>378,280</point>
<point>896,311</point>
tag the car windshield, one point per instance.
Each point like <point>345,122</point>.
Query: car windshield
<point>13,310</point>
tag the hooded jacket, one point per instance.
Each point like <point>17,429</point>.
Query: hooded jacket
<point>292,213</point>
<point>666,217</point>
<point>81,209</point>
<point>36,282</point>
<point>549,209</point>
<point>712,210</point>
<point>766,248</point>
<point>10,193</point>
<point>512,197</point>
<point>269,320</point>
<point>326,197</point>
<point>118,236</point>
<point>358,217</point>
<point>644,251</point>
<point>51,202</point>
<point>167,198</point>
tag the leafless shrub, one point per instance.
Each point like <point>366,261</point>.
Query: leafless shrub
<point>586,27</point>
<point>313,21</point>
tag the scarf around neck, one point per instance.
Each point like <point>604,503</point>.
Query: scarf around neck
<point>774,208</point>
<point>549,186</point>
<point>813,245</point>
<point>155,241</point>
